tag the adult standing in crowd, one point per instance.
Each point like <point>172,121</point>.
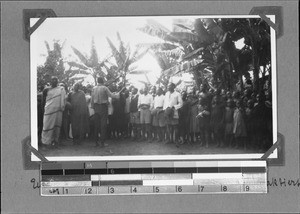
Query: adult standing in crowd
<point>54,99</point>
<point>66,121</point>
<point>217,119</point>
<point>145,102</point>
<point>158,116</point>
<point>184,118</point>
<point>134,114</point>
<point>99,102</point>
<point>79,114</point>
<point>172,103</point>
<point>194,122</point>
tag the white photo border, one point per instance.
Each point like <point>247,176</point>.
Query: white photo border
<point>252,156</point>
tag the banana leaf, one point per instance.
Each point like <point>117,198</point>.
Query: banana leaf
<point>83,59</point>
<point>186,36</point>
<point>182,67</point>
<point>93,61</point>
<point>140,72</point>
<point>48,47</point>
<point>157,25</point>
<point>158,46</point>
<point>184,27</point>
<point>78,65</point>
<point>122,49</point>
<point>78,77</point>
<point>119,58</point>
<point>137,56</point>
<point>141,81</point>
<point>75,72</point>
<point>109,82</point>
<point>192,54</point>
<point>155,31</point>
<point>213,28</point>
<point>202,32</point>
<point>175,53</point>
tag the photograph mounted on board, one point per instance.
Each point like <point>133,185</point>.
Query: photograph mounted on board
<point>153,87</point>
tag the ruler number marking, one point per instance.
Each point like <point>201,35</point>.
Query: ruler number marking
<point>223,188</point>
<point>134,189</point>
<point>111,190</point>
<point>88,191</point>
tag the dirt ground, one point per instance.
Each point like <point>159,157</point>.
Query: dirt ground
<point>128,147</point>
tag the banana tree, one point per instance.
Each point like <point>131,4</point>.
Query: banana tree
<point>53,66</point>
<point>125,58</point>
<point>193,50</point>
<point>209,52</point>
<point>257,50</point>
<point>90,65</point>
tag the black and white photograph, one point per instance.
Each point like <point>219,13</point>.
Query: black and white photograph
<point>153,87</point>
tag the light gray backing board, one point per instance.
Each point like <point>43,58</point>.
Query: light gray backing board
<point>18,196</point>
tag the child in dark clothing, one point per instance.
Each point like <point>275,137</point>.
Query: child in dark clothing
<point>203,117</point>
<point>228,120</point>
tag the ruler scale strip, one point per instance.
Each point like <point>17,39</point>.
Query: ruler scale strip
<point>159,177</point>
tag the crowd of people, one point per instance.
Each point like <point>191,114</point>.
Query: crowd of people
<point>206,116</point>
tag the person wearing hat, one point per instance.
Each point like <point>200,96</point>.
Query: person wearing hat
<point>172,103</point>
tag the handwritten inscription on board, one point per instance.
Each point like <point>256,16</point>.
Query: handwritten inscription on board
<point>35,184</point>
<point>283,182</point>
<point>272,182</point>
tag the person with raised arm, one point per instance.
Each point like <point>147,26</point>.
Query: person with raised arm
<point>99,103</point>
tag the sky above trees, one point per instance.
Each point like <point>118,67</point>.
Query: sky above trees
<point>78,32</point>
